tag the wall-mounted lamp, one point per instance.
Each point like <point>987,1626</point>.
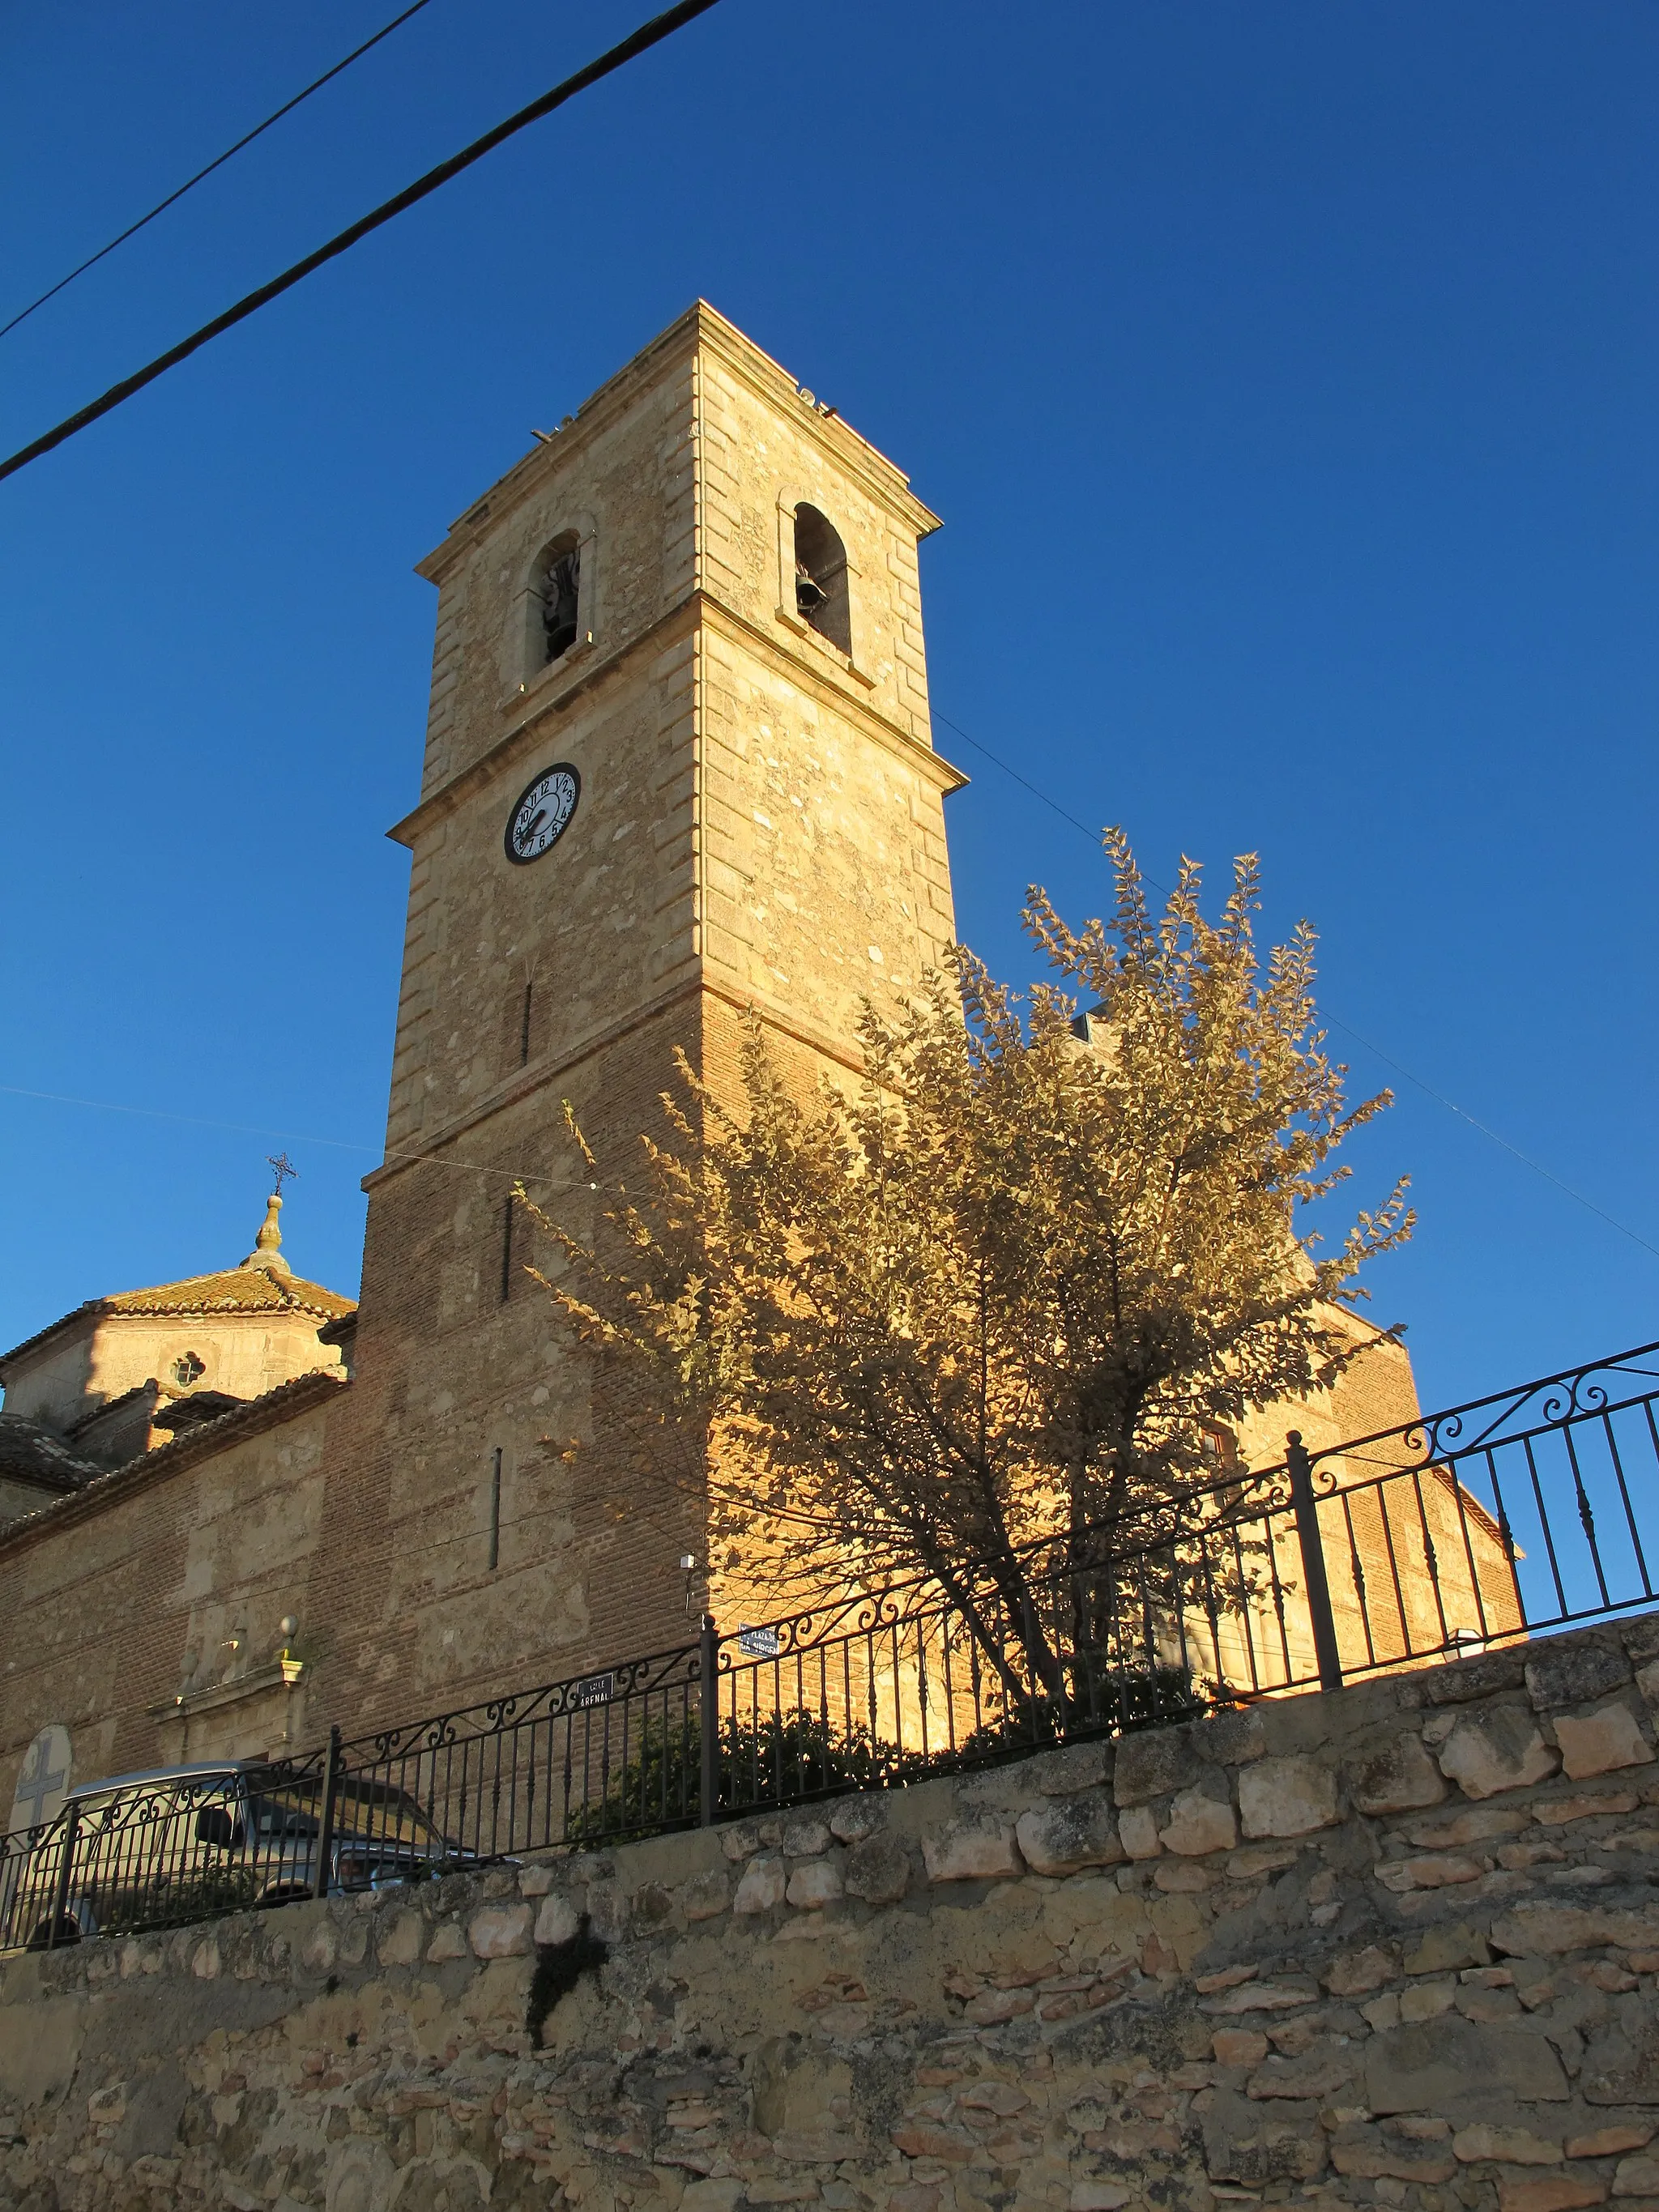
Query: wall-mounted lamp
<point>690,1570</point>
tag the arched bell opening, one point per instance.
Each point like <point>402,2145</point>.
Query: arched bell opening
<point>558,585</point>
<point>821,577</point>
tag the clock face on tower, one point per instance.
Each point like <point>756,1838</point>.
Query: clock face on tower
<point>541,816</point>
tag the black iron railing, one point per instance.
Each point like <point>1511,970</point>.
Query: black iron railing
<point>1532,1508</point>
<point>162,1852</point>
<point>1471,1528</point>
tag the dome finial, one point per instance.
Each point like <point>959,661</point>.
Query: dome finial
<point>268,1244</point>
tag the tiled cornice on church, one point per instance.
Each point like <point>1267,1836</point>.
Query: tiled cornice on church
<point>282,1404</point>
<point>230,1290</point>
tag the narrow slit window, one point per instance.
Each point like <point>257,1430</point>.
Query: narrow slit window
<point>821,577</point>
<point>507,1250</point>
<point>523,1027</point>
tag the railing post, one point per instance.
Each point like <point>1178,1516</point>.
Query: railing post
<point>325,1822</point>
<point>61,1887</point>
<point>1313,1561</point>
<point>709,1713</point>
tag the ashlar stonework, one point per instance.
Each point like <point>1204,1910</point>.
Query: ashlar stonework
<point>962,2035</point>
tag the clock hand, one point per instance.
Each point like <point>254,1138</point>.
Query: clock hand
<point>535,821</point>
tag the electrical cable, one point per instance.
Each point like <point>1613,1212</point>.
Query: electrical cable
<point>189,183</point>
<point>1335,1022</point>
<point>531,1177</point>
<point>540,1179</point>
<point>477,1167</point>
<point>637,42</point>
<point>563,1506</point>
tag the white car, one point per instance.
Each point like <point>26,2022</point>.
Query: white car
<point>177,1844</point>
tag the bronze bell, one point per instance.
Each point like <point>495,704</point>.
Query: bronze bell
<point>808,593</point>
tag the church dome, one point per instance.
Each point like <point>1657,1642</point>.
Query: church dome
<point>262,1283</point>
<point>111,1379</point>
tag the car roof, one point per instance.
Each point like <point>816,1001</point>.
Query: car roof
<point>145,1778</point>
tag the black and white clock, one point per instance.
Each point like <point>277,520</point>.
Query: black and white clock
<point>542,815</point>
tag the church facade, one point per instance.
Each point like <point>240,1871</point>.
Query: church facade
<point>678,765</point>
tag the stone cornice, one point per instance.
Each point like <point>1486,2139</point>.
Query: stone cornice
<point>823,682</point>
<point>124,1306</point>
<point>436,806</point>
<point>791,1024</point>
<point>696,609</point>
<point>87,1314</point>
<point>701,329</point>
<point>524,1082</point>
<point>185,1704</point>
<point>528,474</point>
<point>841,443</point>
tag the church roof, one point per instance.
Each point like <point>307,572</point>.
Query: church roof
<point>236,1289</point>
<point>262,1283</point>
<point>30,1453</point>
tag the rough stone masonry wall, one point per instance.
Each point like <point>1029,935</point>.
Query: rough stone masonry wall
<point>1397,1945</point>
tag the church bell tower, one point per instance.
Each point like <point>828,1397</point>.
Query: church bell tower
<point>678,765</point>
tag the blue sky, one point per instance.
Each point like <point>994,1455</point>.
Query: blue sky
<point>1284,373</point>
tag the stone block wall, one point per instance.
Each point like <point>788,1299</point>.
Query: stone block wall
<point>1397,1945</point>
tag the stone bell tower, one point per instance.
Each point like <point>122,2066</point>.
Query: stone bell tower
<point>678,764</point>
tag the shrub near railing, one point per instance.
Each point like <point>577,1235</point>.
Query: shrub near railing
<point>789,1760</point>
<point>793,1758</point>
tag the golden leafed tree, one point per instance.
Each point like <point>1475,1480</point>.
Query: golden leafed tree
<point>976,1318</point>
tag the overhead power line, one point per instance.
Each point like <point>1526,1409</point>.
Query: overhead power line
<point>535,1178</point>
<point>189,183</point>
<point>1335,1022</point>
<point>478,1167</point>
<point>638,42</point>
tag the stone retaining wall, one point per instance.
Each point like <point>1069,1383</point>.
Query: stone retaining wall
<point>1397,1945</point>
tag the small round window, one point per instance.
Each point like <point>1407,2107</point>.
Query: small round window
<point>188,1368</point>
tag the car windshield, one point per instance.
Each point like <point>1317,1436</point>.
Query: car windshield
<point>280,1804</point>
<point>125,1804</point>
<point>364,1812</point>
